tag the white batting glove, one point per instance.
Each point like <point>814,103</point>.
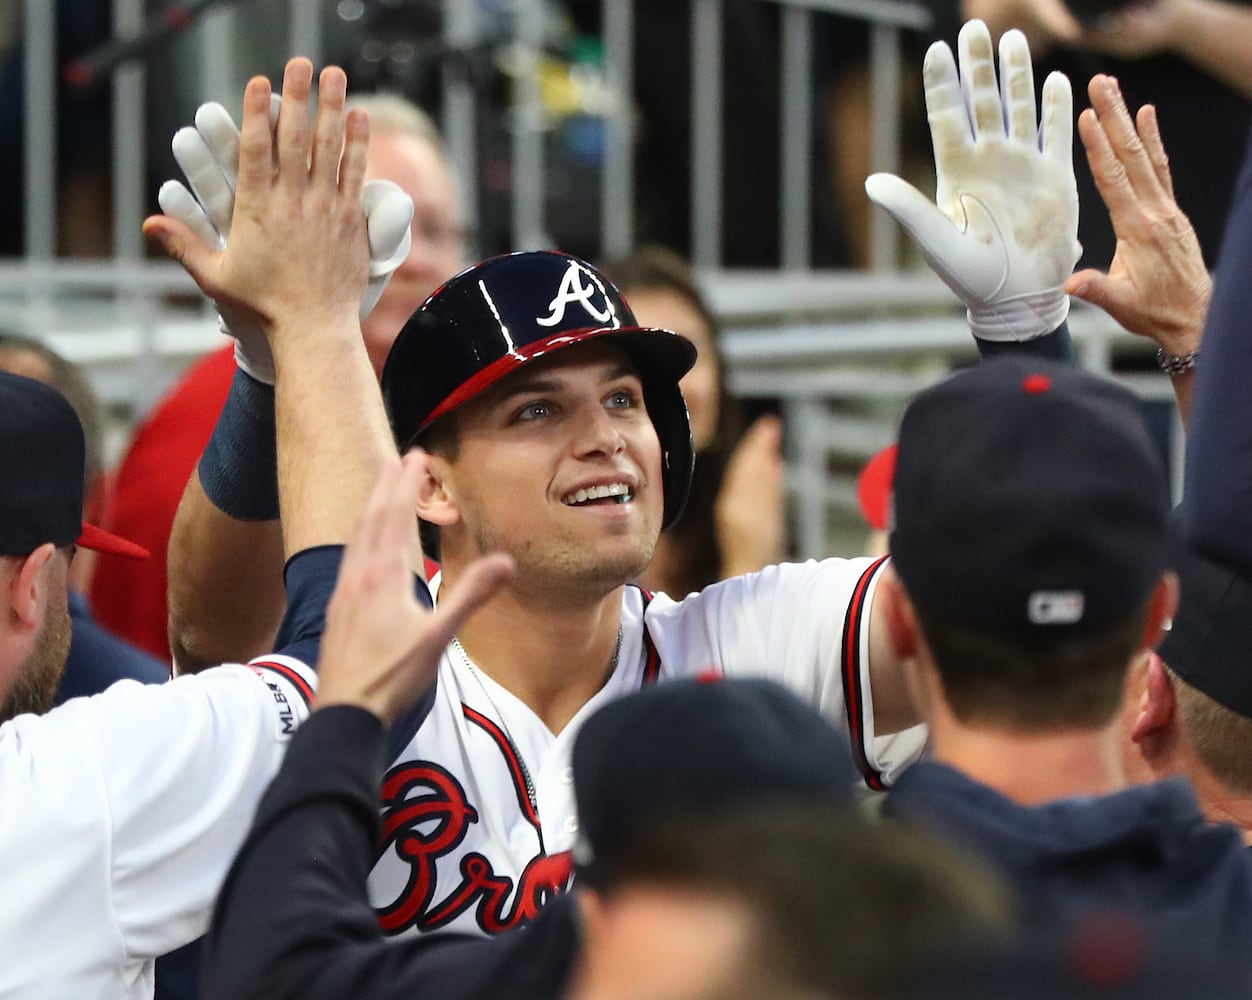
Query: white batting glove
<point>208,155</point>
<point>1003,233</point>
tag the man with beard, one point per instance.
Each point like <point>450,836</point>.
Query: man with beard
<point>40,528</point>
<point>120,811</point>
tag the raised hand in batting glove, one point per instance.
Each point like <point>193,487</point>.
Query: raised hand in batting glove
<point>208,155</point>
<point>1003,230</point>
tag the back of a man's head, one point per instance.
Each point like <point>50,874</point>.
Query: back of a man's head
<point>799,901</point>
<point>1207,652</point>
<point>1030,534</point>
<point>697,750</point>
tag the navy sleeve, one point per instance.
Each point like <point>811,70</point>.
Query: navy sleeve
<point>310,577</point>
<point>294,920</point>
<point>1056,346</point>
<point>1217,500</point>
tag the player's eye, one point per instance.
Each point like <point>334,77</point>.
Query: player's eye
<point>534,410</point>
<point>622,399</point>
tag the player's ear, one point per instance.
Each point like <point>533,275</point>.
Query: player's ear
<point>1157,703</point>
<point>435,501</point>
<point>28,586</point>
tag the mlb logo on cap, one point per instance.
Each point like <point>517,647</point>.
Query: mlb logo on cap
<point>1055,607</point>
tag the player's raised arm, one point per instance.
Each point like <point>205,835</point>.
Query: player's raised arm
<point>1003,230</point>
<point>226,550</point>
<point>1157,285</point>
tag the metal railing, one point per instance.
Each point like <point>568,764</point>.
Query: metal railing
<point>216,31</point>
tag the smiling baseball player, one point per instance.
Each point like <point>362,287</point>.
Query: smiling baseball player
<point>555,432</point>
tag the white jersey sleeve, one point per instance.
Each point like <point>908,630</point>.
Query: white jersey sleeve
<point>805,625</point>
<point>121,813</point>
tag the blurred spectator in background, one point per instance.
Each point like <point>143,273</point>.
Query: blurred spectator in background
<point>131,599</point>
<point>734,521</point>
<point>1189,58</point>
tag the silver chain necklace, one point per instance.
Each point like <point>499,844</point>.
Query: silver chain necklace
<point>504,725</point>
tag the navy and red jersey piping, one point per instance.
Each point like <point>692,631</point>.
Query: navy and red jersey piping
<point>652,659</point>
<point>854,650</point>
<point>289,674</point>
<point>511,758</point>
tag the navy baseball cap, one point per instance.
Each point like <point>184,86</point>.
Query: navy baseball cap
<point>1028,494</point>
<point>695,748</point>
<point>1209,640</point>
<point>42,453</point>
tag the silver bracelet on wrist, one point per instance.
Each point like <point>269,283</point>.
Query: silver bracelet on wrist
<point>1176,364</point>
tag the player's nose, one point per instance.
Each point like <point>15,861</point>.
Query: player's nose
<point>599,432</point>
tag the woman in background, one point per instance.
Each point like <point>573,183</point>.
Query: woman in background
<point>734,519</point>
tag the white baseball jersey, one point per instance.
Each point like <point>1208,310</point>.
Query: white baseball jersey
<point>468,846</point>
<point>119,815</point>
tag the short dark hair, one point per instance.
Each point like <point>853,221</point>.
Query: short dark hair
<point>1030,679</point>
<point>1222,737</point>
<point>841,904</point>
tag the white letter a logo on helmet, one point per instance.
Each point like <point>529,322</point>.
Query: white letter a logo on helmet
<point>573,290</point>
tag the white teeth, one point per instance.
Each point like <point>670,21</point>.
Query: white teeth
<point>598,493</point>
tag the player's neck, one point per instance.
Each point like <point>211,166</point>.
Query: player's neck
<point>553,659</point>
<point>1034,768</point>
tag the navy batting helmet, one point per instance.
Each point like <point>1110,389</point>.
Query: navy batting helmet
<point>497,316</point>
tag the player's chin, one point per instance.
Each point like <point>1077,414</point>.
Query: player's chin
<point>615,561</point>
<point>629,561</point>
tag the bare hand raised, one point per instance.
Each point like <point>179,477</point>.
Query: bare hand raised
<point>297,257</point>
<point>1157,285</point>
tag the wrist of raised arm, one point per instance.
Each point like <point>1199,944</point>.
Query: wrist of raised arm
<point>1022,318</point>
<point>1182,336</point>
<point>237,467</point>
